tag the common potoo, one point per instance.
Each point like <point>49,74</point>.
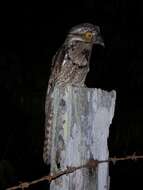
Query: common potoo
<point>70,66</point>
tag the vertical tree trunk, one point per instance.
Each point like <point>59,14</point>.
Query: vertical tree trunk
<point>82,117</point>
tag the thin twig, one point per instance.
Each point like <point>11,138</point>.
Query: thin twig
<point>90,164</point>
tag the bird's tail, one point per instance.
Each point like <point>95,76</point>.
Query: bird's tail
<point>48,132</point>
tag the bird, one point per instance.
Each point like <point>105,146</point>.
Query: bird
<point>70,66</point>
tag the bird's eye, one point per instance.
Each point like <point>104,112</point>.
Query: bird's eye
<point>88,36</point>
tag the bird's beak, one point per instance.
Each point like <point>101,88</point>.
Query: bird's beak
<point>99,40</point>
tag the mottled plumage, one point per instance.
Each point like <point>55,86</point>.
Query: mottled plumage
<point>70,66</point>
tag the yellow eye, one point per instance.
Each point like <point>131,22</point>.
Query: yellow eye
<point>87,36</point>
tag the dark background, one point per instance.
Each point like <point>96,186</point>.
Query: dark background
<point>30,36</point>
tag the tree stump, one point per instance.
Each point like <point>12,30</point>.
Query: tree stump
<point>82,117</point>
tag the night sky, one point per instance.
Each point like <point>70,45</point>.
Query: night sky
<point>31,34</point>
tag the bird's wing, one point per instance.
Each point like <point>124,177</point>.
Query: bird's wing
<point>56,67</point>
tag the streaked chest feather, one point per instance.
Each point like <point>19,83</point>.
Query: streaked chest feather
<point>74,66</point>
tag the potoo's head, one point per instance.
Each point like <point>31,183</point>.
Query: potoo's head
<point>87,33</point>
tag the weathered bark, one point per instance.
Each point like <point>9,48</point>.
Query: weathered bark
<point>82,117</point>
